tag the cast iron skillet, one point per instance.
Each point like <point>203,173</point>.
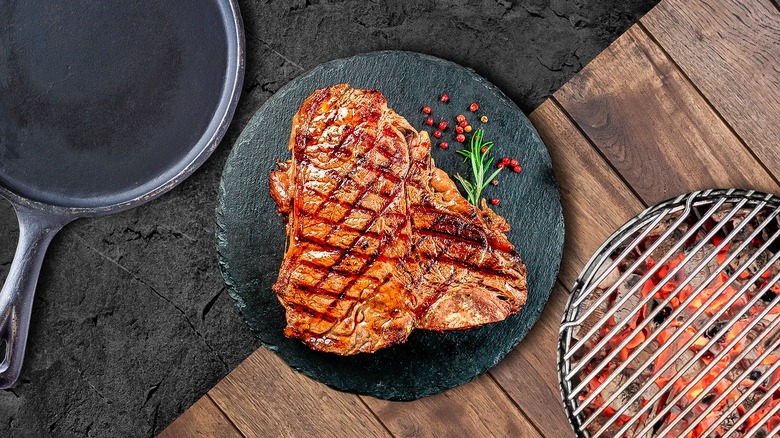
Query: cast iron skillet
<point>103,106</point>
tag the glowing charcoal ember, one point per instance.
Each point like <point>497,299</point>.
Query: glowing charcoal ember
<point>612,274</point>
<point>624,395</point>
<point>632,301</point>
<point>597,312</point>
<point>709,268</point>
<point>684,334</point>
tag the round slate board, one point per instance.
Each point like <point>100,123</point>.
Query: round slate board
<point>251,237</point>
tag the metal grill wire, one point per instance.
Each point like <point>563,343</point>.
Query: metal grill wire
<point>684,326</point>
<point>620,245</point>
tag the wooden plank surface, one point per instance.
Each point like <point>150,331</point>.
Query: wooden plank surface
<point>529,374</point>
<point>265,397</point>
<point>203,419</point>
<point>631,129</point>
<point>731,50</point>
<point>479,408</point>
<point>595,200</point>
<point>653,126</point>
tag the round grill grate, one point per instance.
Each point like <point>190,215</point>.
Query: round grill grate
<point>673,327</point>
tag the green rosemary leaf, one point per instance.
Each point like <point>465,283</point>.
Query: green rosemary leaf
<point>477,154</point>
<point>466,184</point>
<point>491,177</point>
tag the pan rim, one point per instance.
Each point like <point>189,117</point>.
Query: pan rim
<point>205,145</point>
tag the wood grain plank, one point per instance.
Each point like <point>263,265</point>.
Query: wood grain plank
<point>730,49</point>
<point>265,397</point>
<point>529,373</point>
<point>595,200</point>
<point>652,125</point>
<point>478,408</point>
<point>203,419</point>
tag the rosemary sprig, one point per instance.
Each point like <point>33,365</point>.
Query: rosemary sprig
<point>477,154</point>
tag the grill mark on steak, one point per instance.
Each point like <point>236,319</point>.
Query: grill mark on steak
<point>471,266</point>
<point>442,257</point>
<point>365,268</point>
<point>326,270</point>
<point>349,251</point>
<point>433,298</point>
<point>362,193</point>
<point>441,234</point>
<point>475,235</point>
<point>351,247</point>
<point>347,206</point>
<point>314,313</point>
<point>380,243</point>
<point>369,263</point>
<point>452,226</point>
<point>329,247</point>
<point>340,226</point>
<point>339,296</point>
<point>344,179</point>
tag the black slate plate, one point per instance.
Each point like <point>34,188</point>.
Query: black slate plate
<point>251,237</point>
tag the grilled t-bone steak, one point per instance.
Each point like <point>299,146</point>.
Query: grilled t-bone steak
<point>381,241</point>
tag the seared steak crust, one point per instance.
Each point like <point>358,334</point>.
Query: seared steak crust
<point>380,239</point>
<point>348,227</point>
<point>465,271</point>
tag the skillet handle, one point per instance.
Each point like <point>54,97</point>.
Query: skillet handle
<point>36,229</point>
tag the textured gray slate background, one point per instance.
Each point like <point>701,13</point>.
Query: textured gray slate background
<point>131,322</point>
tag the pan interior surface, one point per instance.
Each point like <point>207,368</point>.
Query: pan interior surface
<point>104,102</point>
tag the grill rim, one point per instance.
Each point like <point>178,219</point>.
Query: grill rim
<point>590,271</point>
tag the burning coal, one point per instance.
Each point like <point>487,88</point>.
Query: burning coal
<point>678,332</point>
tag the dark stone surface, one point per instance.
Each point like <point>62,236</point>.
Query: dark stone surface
<point>131,323</point>
<point>251,237</point>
